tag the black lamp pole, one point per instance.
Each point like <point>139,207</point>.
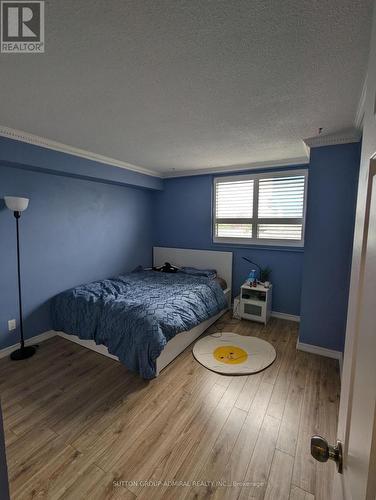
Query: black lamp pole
<point>23,352</point>
<point>253,263</point>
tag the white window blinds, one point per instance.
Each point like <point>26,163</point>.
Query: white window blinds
<point>234,209</point>
<point>260,208</point>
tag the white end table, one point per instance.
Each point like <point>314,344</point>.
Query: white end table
<point>256,302</point>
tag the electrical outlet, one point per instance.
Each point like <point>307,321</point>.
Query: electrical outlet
<point>12,325</point>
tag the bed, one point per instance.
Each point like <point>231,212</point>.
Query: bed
<point>146,318</point>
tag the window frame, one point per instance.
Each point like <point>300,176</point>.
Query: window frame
<point>255,220</point>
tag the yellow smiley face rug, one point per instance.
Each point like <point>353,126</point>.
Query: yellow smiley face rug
<point>234,354</point>
<point>230,354</point>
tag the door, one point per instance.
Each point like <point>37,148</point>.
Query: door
<point>357,417</point>
<point>4,490</point>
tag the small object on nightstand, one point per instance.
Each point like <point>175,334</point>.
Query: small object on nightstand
<point>252,278</point>
<point>255,302</point>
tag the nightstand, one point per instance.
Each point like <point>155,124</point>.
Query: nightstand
<point>255,302</point>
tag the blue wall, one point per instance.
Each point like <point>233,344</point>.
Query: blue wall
<point>183,219</point>
<point>77,230</point>
<point>74,231</point>
<point>332,188</point>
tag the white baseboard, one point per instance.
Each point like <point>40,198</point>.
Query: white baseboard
<point>289,317</point>
<point>321,351</point>
<point>32,341</point>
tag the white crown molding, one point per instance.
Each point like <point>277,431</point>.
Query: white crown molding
<point>19,135</point>
<point>343,137</point>
<point>307,149</point>
<point>361,107</point>
<point>302,160</point>
<point>43,142</point>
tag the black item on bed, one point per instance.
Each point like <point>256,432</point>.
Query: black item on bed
<point>166,268</point>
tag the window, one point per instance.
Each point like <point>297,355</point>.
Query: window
<point>261,209</point>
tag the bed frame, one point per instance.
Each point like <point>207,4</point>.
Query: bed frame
<point>221,261</point>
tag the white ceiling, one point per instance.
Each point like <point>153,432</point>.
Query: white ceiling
<point>180,85</point>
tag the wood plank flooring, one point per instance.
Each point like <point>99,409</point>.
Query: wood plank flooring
<point>79,425</point>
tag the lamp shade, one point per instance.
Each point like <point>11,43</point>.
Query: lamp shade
<point>16,204</point>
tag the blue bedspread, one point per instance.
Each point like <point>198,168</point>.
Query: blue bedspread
<point>134,315</point>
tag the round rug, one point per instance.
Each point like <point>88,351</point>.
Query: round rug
<point>233,354</point>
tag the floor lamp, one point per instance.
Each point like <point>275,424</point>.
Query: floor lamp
<point>18,205</point>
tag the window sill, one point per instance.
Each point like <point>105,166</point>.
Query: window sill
<point>292,247</point>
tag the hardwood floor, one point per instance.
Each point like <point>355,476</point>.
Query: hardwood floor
<point>79,425</point>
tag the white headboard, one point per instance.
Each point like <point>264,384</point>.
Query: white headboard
<point>204,259</point>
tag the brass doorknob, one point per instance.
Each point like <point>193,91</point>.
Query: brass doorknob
<point>322,451</point>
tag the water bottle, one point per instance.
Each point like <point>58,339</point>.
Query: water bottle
<point>252,277</point>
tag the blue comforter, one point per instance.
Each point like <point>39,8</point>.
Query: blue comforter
<point>134,315</point>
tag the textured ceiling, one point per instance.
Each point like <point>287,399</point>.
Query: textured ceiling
<point>172,84</point>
